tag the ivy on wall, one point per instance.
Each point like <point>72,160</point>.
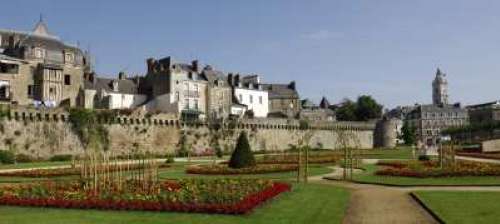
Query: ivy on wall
<point>85,123</point>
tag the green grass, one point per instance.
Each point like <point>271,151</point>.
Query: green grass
<point>305,204</point>
<point>369,177</point>
<point>463,207</point>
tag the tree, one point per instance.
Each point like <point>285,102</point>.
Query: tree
<point>242,155</point>
<point>364,109</point>
<point>408,133</point>
<point>367,108</point>
<point>347,111</point>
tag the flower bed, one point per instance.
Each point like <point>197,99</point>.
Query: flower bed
<point>222,169</point>
<point>58,172</point>
<point>224,196</point>
<point>287,159</point>
<point>424,169</point>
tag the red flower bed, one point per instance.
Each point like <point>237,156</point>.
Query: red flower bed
<point>246,205</point>
<point>58,172</point>
<point>424,169</point>
<point>225,170</point>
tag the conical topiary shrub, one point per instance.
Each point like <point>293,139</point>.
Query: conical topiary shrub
<point>242,155</point>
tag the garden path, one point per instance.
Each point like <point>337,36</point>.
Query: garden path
<point>371,203</point>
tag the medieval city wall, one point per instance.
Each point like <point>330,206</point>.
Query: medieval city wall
<point>43,134</point>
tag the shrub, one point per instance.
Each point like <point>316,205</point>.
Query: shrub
<point>423,158</point>
<point>7,157</point>
<point>242,155</point>
<point>170,159</point>
<point>23,158</point>
<point>60,158</point>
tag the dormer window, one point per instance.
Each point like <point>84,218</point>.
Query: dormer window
<point>69,58</point>
<point>114,85</point>
<point>39,53</point>
<point>190,75</point>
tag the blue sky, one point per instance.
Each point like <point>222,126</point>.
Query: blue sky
<point>388,49</point>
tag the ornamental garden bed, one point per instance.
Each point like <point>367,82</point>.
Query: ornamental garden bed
<point>223,169</point>
<point>424,169</point>
<point>293,158</point>
<point>58,172</point>
<point>223,196</point>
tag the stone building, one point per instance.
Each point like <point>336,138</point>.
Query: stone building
<point>176,88</point>
<point>283,100</point>
<point>219,97</point>
<point>313,112</point>
<point>107,93</point>
<point>484,113</point>
<point>38,68</point>
<point>430,120</point>
<point>248,91</point>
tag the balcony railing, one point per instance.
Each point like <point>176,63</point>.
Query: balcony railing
<point>190,93</point>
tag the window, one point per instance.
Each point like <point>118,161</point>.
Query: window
<point>67,80</point>
<point>186,103</point>
<point>39,53</point>
<point>196,87</point>
<point>241,98</point>
<point>186,86</point>
<point>260,99</point>
<point>68,57</point>
<point>51,90</point>
<point>31,90</point>
<point>251,99</point>
<point>177,96</point>
<point>196,104</point>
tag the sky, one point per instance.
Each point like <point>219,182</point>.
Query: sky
<point>389,49</point>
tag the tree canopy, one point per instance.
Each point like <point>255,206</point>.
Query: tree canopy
<point>365,108</point>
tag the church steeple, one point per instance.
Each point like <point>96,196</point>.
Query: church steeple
<point>41,28</point>
<point>440,89</point>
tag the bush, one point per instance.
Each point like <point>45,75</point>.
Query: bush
<point>60,158</point>
<point>242,155</point>
<point>424,158</point>
<point>170,159</point>
<point>23,158</point>
<point>7,157</point>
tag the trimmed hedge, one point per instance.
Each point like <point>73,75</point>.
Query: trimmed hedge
<point>225,170</point>
<point>242,156</point>
<point>7,157</point>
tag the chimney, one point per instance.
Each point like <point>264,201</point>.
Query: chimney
<point>194,65</point>
<point>292,85</point>
<point>122,75</point>
<point>165,63</point>
<point>230,79</point>
<point>151,65</point>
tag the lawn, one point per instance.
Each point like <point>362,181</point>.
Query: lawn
<point>305,204</point>
<point>368,176</point>
<point>463,207</point>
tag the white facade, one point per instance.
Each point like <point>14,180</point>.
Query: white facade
<point>256,100</point>
<point>124,101</point>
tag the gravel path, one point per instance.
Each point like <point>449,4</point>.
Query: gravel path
<point>376,204</point>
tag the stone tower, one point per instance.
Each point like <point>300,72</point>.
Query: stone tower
<point>440,89</point>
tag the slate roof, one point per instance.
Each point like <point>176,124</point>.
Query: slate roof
<point>211,75</point>
<point>280,91</point>
<point>324,103</point>
<point>306,103</point>
<point>125,86</point>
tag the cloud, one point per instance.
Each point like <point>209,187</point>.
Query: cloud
<point>321,35</point>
